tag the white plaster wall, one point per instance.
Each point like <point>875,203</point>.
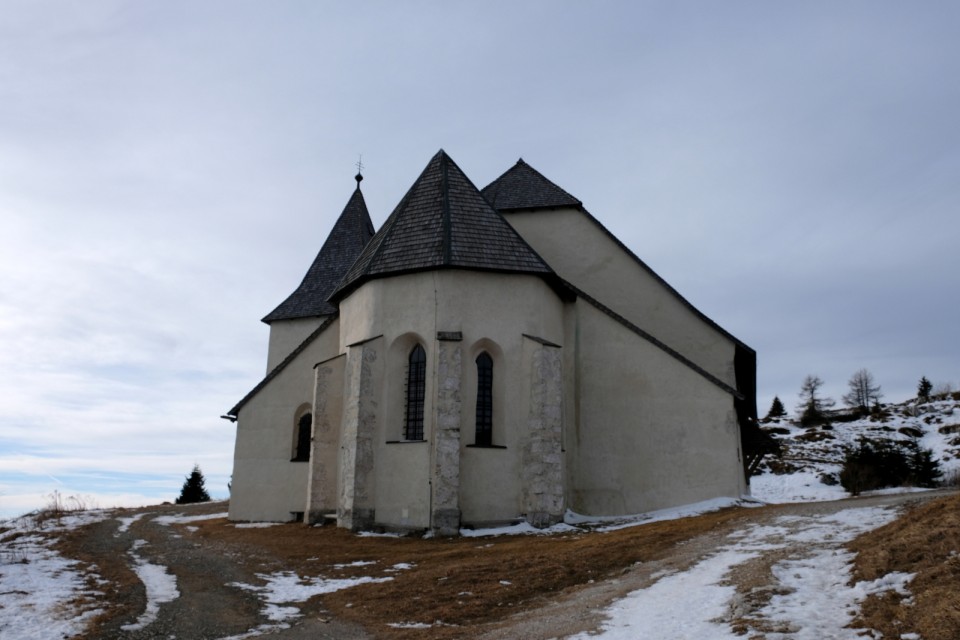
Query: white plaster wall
<point>652,433</point>
<point>581,253</point>
<point>402,484</point>
<point>286,335</point>
<point>482,306</point>
<point>267,486</point>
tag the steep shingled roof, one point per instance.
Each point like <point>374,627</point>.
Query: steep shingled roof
<point>346,241</point>
<point>523,187</point>
<point>443,222</point>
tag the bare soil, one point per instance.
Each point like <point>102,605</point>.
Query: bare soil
<point>492,588</point>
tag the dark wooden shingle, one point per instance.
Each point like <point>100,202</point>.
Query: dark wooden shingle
<point>346,241</point>
<point>523,187</point>
<point>442,222</point>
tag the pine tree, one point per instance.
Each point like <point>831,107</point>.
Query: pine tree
<point>193,489</point>
<point>777,409</point>
<point>924,387</point>
<point>924,468</point>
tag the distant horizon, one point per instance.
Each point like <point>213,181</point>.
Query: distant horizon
<point>94,501</point>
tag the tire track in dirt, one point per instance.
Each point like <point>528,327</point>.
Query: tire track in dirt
<point>206,608</point>
<point>583,610</point>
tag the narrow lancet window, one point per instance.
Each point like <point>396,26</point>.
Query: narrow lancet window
<point>484,435</point>
<point>304,429</point>
<point>416,390</point>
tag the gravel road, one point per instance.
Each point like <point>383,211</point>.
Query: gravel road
<point>208,608</point>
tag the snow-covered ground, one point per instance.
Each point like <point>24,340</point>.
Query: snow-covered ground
<point>813,601</point>
<point>42,594</point>
<point>814,454</point>
<point>45,596</point>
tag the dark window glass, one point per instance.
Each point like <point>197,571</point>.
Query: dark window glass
<point>484,400</point>
<point>416,390</point>
<point>303,438</point>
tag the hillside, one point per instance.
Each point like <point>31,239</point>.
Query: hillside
<point>812,457</point>
<point>187,572</point>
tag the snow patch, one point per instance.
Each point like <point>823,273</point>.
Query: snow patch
<point>161,588</point>
<point>524,528</point>
<point>126,522</point>
<point>179,518</point>
<point>356,563</point>
<point>815,600</point>
<point>285,587</point>
<point>43,596</point>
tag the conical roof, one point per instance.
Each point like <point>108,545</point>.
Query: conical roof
<point>523,187</point>
<point>443,222</point>
<point>346,241</point>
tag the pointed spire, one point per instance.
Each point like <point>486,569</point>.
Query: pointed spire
<point>523,187</point>
<point>443,221</point>
<point>350,234</point>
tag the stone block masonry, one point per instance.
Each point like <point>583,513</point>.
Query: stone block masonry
<point>445,482</point>
<point>542,466</point>
<point>355,510</point>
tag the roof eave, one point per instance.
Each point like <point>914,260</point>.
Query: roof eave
<point>233,413</point>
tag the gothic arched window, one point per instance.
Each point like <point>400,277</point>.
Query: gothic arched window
<point>416,391</point>
<point>484,435</point>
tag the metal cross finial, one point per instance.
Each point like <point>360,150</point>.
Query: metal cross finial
<point>359,175</point>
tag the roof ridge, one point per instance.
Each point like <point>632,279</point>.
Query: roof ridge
<point>232,414</point>
<point>654,340</point>
<point>443,221</point>
<point>445,207</point>
<point>350,234</point>
<point>523,187</point>
<point>663,282</point>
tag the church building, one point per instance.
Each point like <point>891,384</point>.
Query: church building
<point>488,356</point>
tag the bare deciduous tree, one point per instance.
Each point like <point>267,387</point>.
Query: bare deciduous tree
<point>864,391</point>
<point>812,406</point>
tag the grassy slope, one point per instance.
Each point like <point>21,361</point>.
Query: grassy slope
<point>925,542</point>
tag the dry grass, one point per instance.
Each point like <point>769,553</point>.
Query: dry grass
<point>926,541</point>
<point>459,581</point>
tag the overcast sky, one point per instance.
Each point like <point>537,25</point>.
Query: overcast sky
<point>168,170</point>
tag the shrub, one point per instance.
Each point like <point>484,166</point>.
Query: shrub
<point>829,479</point>
<point>876,464</point>
<point>911,432</point>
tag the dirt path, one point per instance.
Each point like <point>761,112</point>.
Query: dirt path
<point>582,610</point>
<point>206,607</point>
<point>208,556</point>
